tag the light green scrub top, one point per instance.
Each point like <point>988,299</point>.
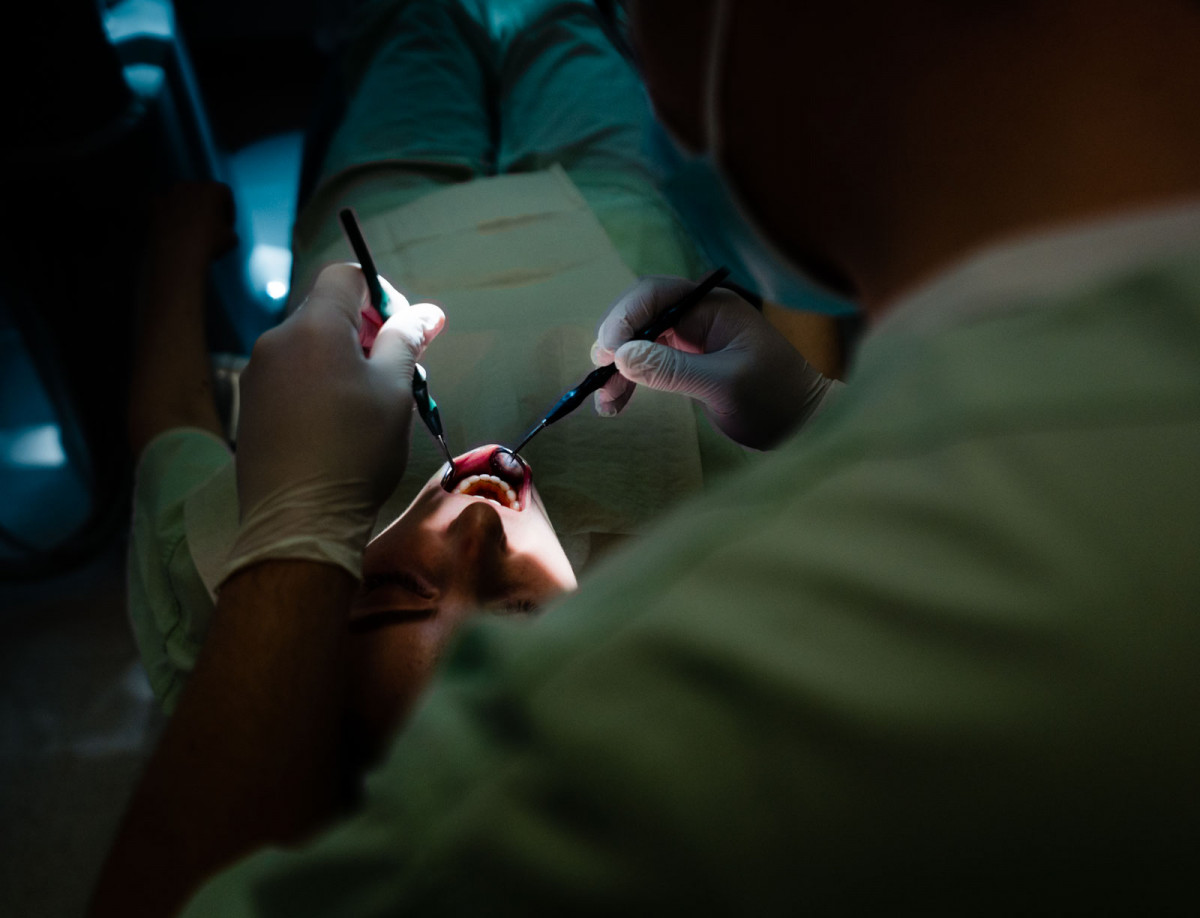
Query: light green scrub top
<point>170,608</point>
<point>937,653</point>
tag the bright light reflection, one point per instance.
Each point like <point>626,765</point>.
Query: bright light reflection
<point>269,264</point>
<point>33,447</point>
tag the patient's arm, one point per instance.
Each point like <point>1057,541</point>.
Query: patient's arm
<point>171,384</point>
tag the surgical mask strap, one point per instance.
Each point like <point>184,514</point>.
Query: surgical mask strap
<point>767,250</point>
<point>714,77</point>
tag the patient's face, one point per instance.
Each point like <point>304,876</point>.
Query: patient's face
<point>478,541</point>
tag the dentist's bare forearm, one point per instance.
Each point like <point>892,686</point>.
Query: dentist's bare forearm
<point>172,384</point>
<point>250,757</point>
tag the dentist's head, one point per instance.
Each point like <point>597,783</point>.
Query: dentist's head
<point>873,144</point>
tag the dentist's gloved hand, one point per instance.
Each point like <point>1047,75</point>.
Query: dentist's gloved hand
<point>324,431</point>
<point>755,387</point>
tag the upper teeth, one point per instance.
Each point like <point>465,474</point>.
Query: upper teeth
<point>466,484</point>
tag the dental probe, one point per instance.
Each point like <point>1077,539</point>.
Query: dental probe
<point>426,407</point>
<point>598,377</point>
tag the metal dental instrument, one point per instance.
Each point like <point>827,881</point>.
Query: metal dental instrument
<point>426,407</point>
<point>598,377</point>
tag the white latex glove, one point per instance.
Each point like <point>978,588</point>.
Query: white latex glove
<point>324,432</point>
<point>754,386</point>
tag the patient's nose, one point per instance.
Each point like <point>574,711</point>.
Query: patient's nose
<point>477,536</point>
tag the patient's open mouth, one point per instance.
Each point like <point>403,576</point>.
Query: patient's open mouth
<point>491,487</point>
<point>493,473</point>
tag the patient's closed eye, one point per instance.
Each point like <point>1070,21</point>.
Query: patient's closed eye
<point>403,579</point>
<point>374,621</point>
<point>519,607</point>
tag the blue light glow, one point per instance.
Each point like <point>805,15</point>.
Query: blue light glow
<point>37,447</point>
